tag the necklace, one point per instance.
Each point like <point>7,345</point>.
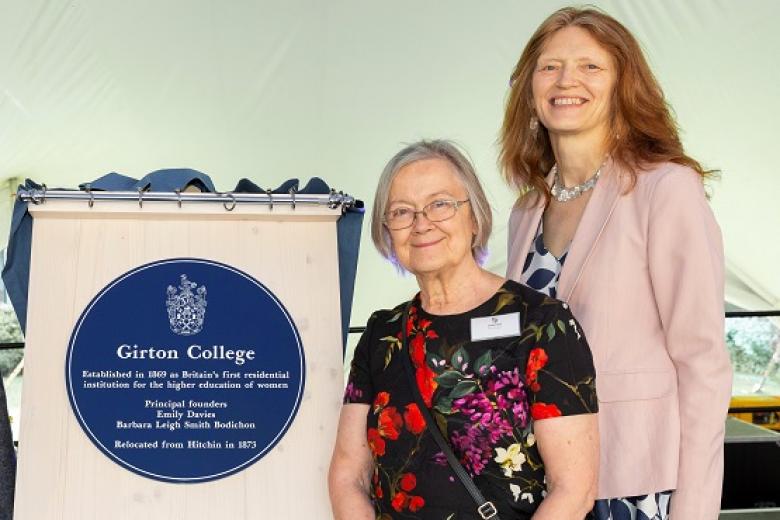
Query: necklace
<point>564,194</point>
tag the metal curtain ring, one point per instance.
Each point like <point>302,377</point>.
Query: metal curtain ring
<point>140,198</point>
<point>178,197</point>
<point>293,191</point>
<point>333,199</point>
<point>88,189</point>
<point>232,199</point>
<point>270,200</point>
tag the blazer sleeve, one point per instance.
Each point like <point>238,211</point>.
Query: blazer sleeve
<point>514,262</point>
<point>685,256</point>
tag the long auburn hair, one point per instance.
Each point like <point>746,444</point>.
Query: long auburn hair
<point>644,131</point>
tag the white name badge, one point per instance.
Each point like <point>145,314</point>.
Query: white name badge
<point>492,327</point>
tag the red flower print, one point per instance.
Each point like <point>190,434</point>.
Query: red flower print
<point>398,501</point>
<point>431,334</point>
<point>375,442</point>
<point>381,400</point>
<point>426,382</point>
<point>416,503</point>
<point>537,359</point>
<point>424,324</point>
<point>415,422</point>
<point>390,422</point>
<point>544,411</point>
<point>417,350</point>
<point>408,482</point>
<point>378,491</point>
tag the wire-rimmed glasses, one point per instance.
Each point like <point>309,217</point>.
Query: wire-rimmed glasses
<point>403,217</point>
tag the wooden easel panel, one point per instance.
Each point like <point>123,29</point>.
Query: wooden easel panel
<point>76,252</point>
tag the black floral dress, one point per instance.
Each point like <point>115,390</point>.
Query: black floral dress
<point>484,395</point>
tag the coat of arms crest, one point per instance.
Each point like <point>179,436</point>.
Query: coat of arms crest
<point>186,307</point>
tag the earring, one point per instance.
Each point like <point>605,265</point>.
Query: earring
<point>533,124</point>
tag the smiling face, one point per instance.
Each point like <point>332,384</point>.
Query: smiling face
<point>430,247</point>
<point>573,84</point>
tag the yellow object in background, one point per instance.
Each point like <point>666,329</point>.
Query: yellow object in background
<point>757,409</point>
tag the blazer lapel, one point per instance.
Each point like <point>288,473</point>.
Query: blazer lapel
<point>594,219</point>
<point>520,243</point>
<point>523,236</point>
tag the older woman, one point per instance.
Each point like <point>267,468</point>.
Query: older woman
<point>614,221</point>
<point>501,373</point>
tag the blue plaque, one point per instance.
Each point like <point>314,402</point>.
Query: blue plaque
<point>185,370</point>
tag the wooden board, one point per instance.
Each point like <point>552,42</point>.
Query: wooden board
<point>76,252</point>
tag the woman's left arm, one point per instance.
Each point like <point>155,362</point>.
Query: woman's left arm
<point>560,375</point>
<point>685,258</point>
<point>569,447</point>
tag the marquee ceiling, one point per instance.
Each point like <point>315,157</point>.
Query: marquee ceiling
<point>298,88</point>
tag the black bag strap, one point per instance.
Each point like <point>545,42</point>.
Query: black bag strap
<point>486,509</point>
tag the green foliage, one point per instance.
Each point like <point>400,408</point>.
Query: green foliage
<point>9,359</point>
<point>751,343</point>
<point>9,333</point>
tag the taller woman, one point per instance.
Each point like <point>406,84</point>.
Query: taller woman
<point>614,221</point>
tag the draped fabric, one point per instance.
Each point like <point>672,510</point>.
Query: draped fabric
<point>7,462</point>
<point>16,273</point>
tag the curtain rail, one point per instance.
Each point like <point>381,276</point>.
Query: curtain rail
<point>228,199</point>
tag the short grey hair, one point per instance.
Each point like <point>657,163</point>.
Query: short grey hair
<point>420,151</point>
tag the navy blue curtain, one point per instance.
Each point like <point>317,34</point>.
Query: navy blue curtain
<point>7,462</point>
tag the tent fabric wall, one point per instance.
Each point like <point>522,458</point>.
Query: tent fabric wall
<point>271,90</point>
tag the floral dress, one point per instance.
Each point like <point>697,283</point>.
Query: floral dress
<point>484,395</point>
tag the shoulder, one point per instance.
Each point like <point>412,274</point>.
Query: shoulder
<point>528,201</point>
<point>384,318</point>
<point>540,308</point>
<point>668,177</point>
<point>385,322</point>
<point>381,325</point>
<point>529,296</point>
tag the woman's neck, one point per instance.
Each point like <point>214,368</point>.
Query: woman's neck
<point>578,157</point>
<point>456,290</point>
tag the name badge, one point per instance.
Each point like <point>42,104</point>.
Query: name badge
<point>492,327</point>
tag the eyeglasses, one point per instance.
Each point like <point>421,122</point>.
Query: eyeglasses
<point>437,211</point>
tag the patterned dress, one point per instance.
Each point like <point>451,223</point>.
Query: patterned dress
<point>542,267</point>
<point>484,395</point>
<point>541,272</point>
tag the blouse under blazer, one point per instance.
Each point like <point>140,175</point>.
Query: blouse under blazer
<point>644,277</point>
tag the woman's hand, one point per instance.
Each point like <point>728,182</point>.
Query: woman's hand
<point>569,447</point>
<point>351,466</point>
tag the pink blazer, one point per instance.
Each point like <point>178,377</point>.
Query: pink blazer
<point>644,277</point>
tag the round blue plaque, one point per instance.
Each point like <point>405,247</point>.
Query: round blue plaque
<point>185,370</point>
